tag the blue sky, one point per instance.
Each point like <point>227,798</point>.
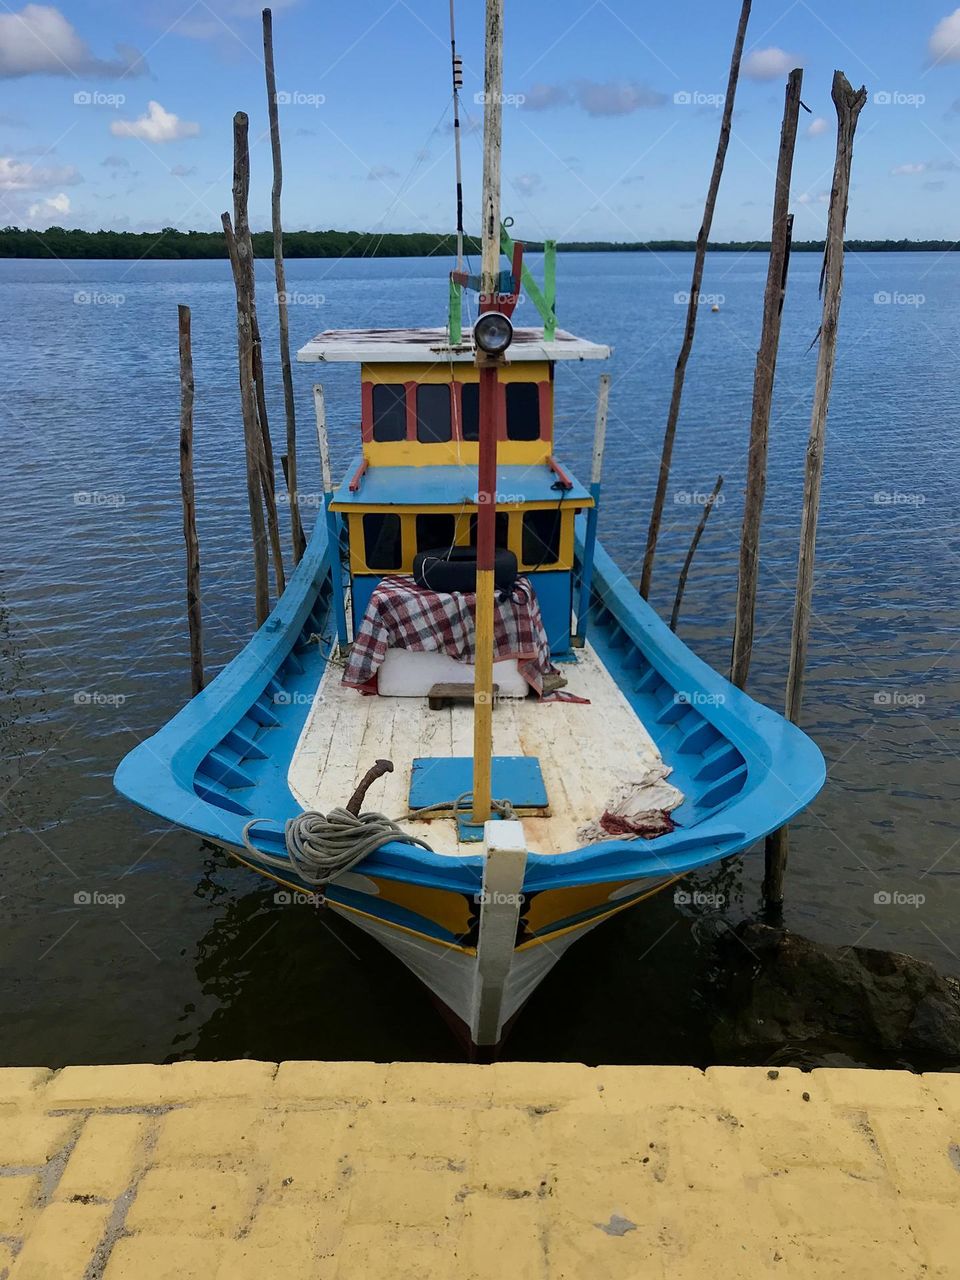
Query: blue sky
<point>119,115</point>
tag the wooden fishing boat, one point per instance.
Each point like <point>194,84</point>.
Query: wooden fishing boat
<point>527,814</point>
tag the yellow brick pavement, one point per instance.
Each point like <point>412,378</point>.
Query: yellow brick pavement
<point>336,1171</point>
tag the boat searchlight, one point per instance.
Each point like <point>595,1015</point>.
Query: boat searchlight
<point>493,333</point>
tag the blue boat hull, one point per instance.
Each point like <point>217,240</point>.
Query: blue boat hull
<point>224,759</point>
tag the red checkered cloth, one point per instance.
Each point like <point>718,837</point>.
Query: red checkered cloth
<point>402,615</point>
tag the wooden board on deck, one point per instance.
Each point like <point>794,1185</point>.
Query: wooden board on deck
<point>584,750</point>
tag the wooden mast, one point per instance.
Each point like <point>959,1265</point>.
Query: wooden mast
<point>488,376</point>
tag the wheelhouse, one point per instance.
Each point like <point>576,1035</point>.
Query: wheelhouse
<point>414,488</point>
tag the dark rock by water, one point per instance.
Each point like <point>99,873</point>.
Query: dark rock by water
<point>784,995</point>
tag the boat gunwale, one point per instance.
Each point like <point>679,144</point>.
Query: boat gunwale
<point>761,735</point>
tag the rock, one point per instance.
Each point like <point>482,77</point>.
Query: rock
<point>776,992</point>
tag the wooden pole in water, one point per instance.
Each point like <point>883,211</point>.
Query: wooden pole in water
<point>194,616</point>
<point>489,378</point>
<point>245,265</point>
<point>289,404</point>
<point>849,103</point>
<point>251,433</point>
<point>763,380</point>
<point>673,415</point>
<point>698,534</point>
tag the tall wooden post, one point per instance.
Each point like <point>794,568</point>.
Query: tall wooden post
<point>849,103</point>
<point>194,617</point>
<point>488,376</point>
<point>673,414</point>
<point>763,380</point>
<point>252,443</point>
<point>280,275</point>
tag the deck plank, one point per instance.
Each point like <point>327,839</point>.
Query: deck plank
<point>584,749</point>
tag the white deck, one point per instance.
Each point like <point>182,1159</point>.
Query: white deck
<point>584,751</point>
<point>378,346</point>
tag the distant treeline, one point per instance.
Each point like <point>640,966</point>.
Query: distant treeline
<point>58,242</point>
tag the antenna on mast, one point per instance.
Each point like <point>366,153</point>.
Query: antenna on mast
<point>457,67</point>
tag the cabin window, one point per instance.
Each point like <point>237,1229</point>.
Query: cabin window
<point>470,410</point>
<point>540,544</point>
<point>436,532</point>
<point>502,530</point>
<point>383,548</point>
<point>433,413</point>
<point>523,411</point>
<point>389,412</point>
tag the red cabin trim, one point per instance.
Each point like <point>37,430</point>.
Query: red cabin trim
<point>558,471</point>
<point>358,476</point>
<point>366,412</point>
<point>410,393</point>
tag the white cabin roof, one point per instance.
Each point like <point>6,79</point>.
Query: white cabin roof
<point>372,346</point>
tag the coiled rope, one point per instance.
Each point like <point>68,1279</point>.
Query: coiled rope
<point>324,845</point>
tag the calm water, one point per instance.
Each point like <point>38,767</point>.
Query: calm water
<point>197,960</point>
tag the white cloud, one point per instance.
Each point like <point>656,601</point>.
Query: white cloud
<point>902,169</point>
<point>16,175</point>
<point>47,210</point>
<point>818,127</point>
<point>822,197</point>
<point>596,98</point>
<point>157,125</point>
<point>945,40</point>
<point>527,184</point>
<point>769,64</point>
<point>40,41</point>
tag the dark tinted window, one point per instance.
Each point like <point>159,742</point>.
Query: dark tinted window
<point>523,411</point>
<point>389,412</point>
<point>433,413</point>
<point>436,532</point>
<point>470,426</point>
<point>541,537</point>
<point>502,529</point>
<point>381,540</point>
